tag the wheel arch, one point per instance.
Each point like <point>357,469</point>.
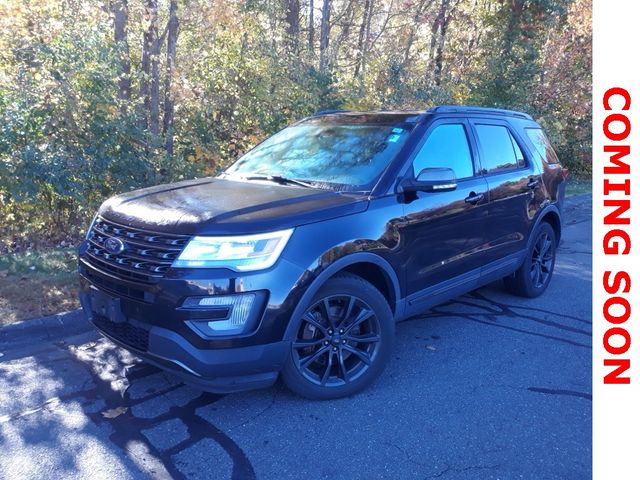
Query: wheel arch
<point>364,264</point>
<point>552,216</point>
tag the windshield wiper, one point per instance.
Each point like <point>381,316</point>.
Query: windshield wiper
<point>279,179</point>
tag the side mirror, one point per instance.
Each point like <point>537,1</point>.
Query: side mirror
<point>430,180</point>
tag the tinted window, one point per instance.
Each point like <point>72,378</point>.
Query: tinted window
<point>542,145</point>
<point>518,152</point>
<point>446,146</point>
<point>498,148</point>
<point>352,156</point>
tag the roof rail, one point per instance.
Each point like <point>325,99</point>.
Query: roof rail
<point>329,111</point>
<point>478,110</point>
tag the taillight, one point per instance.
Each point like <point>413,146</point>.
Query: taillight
<point>565,173</point>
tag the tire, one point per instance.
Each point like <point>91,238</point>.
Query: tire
<point>533,277</point>
<point>340,354</point>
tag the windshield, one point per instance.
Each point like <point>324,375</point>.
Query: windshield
<point>338,156</point>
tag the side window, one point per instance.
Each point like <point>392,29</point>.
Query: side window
<point>446,146</point>
<point>499,149</point>
<point>516,149</point>
<point>542,145</point>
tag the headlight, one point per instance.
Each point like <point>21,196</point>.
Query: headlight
<point>241,253</point>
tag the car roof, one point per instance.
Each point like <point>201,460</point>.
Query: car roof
<point>366,117</point>
<point>471,110</point>
<point>412,116</point>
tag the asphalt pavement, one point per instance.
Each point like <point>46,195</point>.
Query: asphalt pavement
<point>487,386</point>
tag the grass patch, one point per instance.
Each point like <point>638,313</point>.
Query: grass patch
<point>37,283</point>
<point>578,186</point>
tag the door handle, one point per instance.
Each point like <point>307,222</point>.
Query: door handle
<point>533,183</point>
<point>474,198</point>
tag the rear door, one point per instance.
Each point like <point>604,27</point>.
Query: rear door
<point>444,232</point>
<point>515,187</point>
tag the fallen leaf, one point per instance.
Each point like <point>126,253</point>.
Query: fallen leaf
<point>114,412</point>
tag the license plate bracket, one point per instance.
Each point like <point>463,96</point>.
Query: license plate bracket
<point>107,306</point>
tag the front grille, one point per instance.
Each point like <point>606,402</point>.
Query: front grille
<point>116,287</point>
<point>146,255</point>
<point>126,333</point>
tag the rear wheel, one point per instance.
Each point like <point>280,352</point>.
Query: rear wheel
<point>343,340</point>
<point>533,277</point>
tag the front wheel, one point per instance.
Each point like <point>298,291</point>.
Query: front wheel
<point>533,277</point>
<point>343,340</point>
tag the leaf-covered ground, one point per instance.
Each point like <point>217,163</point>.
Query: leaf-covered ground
<point>35,284</point>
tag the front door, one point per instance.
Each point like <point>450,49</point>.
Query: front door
<point>444,232</point>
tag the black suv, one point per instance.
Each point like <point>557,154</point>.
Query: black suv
<point>300,258</point>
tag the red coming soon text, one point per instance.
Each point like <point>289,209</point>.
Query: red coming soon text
<point>617,240</point>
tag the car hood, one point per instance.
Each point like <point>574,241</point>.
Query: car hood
<point>221,206</point>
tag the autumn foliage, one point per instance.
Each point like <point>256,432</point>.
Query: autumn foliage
<point>98,97</point>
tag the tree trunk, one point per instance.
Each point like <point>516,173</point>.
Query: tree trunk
<point>293,24</point>
<point>312,31</point>
<point>324,35</point>
<point>143,117</point>
<point>367,44</point>
<point>150,70</point>
<point>346,21</point>
<point>444,24</point>
<point>120,20</point>
<point>154,82</point>
<point>148,42</point>
<point>415,24</point>
<point>438,32</point>
<point>172,39</point>
<point>363,41</point>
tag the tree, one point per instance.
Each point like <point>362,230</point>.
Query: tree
<point>293,24</point>
<point>311,27</point>
<point>172,41</point>
<point>363,41</point>
<point>324,35</point>
<point>439,35</point>
<point>415,23</point>
<point>120,9</point>
<point>150,72</point>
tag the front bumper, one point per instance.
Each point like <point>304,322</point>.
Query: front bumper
<point>218,371</point>
<point>155,327</point>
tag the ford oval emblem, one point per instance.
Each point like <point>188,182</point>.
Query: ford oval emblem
<point>113,245</point>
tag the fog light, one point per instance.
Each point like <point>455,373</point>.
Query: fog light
<point>235,308</point>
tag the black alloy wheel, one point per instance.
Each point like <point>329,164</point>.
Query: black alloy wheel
<point>542,260</point>
<point>533,277</point>
<point>342,340</point>
<point>339,337</point>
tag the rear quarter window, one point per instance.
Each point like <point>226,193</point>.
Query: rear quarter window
<point>542,145</point>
